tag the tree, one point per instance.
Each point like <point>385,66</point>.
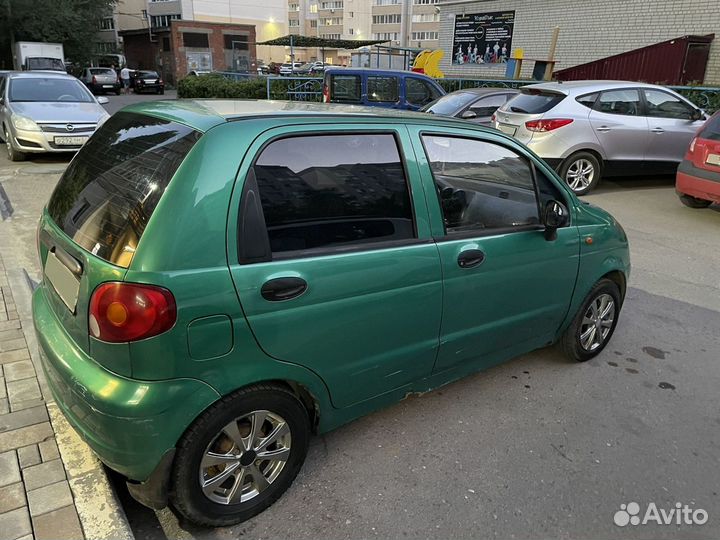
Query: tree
<point>74,23</point>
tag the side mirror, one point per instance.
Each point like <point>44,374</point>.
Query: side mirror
<point>102,100</point>
<point>555,215</point>
<point>696,115</point>
<point>467,115</point>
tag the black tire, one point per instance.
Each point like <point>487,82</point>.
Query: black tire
<point>162,92</point>
<point>581,160</point>
<point>571,339</point>
<point>13,153</point>
<point>118,92</point>
<point>694,202</point>
<point>186,494</point>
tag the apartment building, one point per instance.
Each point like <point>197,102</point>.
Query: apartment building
<point>330,19</point>
<point>406,23</point>
<point>126,15</point>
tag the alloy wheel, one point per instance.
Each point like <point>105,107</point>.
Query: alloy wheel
<point>580,174</point>
<point>246,457</point>
<point>8,146</point>
<point>597,322</point>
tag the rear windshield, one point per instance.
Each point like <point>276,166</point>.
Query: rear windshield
<point>711,130</point>
<point>112,187</point>
<point>147,74</point>
<point>449,104</point>
<point>102,71</point>
<point>533,102</point>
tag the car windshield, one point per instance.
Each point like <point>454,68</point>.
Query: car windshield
<point>102,71</point>
<point>35,89</point>
<point>449,104</point>
<point>39,63</point>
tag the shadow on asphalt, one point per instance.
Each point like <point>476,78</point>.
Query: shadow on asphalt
<point>634,183</point>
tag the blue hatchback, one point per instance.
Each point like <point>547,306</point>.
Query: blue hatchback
<point>380,88</point>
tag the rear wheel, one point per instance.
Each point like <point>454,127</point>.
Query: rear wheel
<point>13,153</point>
<point>694,202</point>
<point>581,171</point>
<point>594,322</point>
<point>240,456</point>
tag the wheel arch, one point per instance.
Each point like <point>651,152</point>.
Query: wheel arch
<point>617,277</point>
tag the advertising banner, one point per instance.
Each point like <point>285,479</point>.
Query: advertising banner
<point>483,38</point>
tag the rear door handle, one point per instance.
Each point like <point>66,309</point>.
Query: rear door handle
<point>470,258</point>
<point>657,130</point>
<point>603,129</point>
<point>284,288</point>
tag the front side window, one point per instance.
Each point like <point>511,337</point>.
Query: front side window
<point>345,89</point>
<point>663,105</point>
<point>333,190</point>
<point>419,92</point>
<point>481,185</point>
<point>625,102</point>
<point>382,89</point>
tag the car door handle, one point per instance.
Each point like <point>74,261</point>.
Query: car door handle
<point>603,129</point>
<point>284,288</point>
<point>657,130</point>
<point>470,258</point>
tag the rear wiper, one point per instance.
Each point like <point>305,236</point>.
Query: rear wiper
<point>519,110</point>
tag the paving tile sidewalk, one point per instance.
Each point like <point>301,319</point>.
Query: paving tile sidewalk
<point>35,496</point>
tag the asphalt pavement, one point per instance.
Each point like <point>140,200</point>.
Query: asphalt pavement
<point>539,447</point>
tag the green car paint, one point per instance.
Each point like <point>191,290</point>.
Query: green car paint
<point>373,326</point>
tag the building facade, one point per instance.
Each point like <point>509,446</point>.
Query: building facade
<point>406,23</point>
<point>126,15</point>
<point>588,30</point>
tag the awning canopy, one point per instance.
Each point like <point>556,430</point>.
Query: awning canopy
<point>292,40</point>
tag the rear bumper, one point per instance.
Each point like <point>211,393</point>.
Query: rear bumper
<point>109,87</point>
<point>697,182</point>
<point>129,424</point>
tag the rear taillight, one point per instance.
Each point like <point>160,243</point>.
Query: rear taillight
<point>326,94</point>
<point>493,118</point>
<point>122,312</point>
<point>547,125</point>
<point>94,80</point>
<point>160,81</point>
<point>692,145</point>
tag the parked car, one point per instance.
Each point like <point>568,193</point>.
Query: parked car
<point>47,112</point>
<point>473,104</point>
<point>147,81</point>
<point>159,336</point>
<point>274,68</point>
<point>698,176</point>
<point>101,80</point>
<point>290,68</point>
<point>380,88</point>
<point>591,128</point>
<point>305,69</point>
<point>262,68</point>
<point>198,73</point>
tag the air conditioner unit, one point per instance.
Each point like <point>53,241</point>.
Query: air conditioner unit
<point>332,10</point>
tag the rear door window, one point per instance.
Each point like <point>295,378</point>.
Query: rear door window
<point>588,100</point>
<point>488,105</point>
<point>625,102</point>
<point>111,188</point>
<point>345,89</point>
<point>533,102</point>
<point>352,192</point>
<point>383,89</point>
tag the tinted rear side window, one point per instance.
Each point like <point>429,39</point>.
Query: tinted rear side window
<point>345,89</point>
<point>533,102</point>
<point>382,89</point>
<point>111,189</point>
<point>333,190</point>
<point>711,130</point>
<point>588,99</point>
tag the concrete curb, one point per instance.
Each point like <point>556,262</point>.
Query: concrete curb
<point>101,515</point>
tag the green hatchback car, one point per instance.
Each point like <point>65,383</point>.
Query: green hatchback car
<point>224,278</point>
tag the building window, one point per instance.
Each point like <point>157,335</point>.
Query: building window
<point>386,36</point>
<point>195,39</point>
<point>294,23</point>
<point>236,42</point>
<point>390,18</point>
<point>330,21</point>
<point>350,31</point>
<point>166,44</point>
<point>157,21</point>
<point>293,7</point>
<point>351,14</point>
<point>423,2</point>
<point>313,23</point>
<point>425,17</point>
<point>107,23</point>
<point>330,36</point>
<point>387,2</point>
<point>313,8</point>
<point>424,36</point>
<point>336,4</point>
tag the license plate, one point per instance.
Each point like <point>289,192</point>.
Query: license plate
<point>510,130</point>
<point>713,159</point>
<point>65,283</point>
<point>70,141</point>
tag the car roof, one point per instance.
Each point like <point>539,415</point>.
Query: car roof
<point>483,90</point>
<point>583,87</point>
<point>373,71</point>
<point>39,75</point>
<point>203,114</point>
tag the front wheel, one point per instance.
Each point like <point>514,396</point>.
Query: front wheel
<point>594,322</point>
<point>13,153</point>
<point>240,456</point>
<point>581,172</point>
<point>694,202</point>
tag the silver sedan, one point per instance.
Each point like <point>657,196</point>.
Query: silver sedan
<point>473,104</point>
<point>586,129</point>
<point>46,112</point>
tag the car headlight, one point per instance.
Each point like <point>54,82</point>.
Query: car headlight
<point>24,123</point>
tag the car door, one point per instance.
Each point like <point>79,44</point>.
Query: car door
<point>334,263</point>
<point>619,125</point>
<point>418,93</point>
<point>671,124</point>
<point>506,288</point>
<point>485,107</point>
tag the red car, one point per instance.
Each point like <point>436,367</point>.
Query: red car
<point>698,177</point>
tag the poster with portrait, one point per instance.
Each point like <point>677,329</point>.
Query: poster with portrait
<point>483,38</point>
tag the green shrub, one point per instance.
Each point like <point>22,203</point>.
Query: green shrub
<point>216,86</point>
